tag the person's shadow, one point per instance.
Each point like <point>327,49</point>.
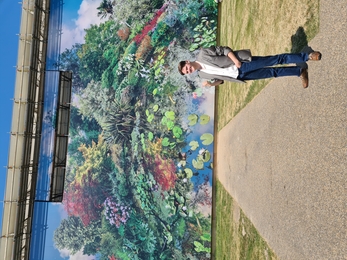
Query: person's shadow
<point>300,44</point>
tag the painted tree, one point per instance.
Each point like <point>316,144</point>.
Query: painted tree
<point>105,8</point>
<point>83,201</point>
<point>73,235</point>
<point>70,61</point>
<point>134,10</point>
<point>98,39</point>
<point>165,172</point>
<point>95,101</point>
<point>85,195</point>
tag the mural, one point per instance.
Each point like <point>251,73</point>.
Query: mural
<point>139,177</point>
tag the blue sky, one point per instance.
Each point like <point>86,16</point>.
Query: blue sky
<point>77,16</point>
<point>10,12</point>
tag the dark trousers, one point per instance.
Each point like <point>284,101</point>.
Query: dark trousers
<point>260,67</point>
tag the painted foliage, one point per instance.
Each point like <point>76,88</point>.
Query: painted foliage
<point>138,183</point>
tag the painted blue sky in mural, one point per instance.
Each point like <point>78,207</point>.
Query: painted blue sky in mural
<point>77,16</point>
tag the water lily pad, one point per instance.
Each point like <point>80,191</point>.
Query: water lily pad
<point>193,145</point>
<point>164,120</point>
<point>188,172</point>
<point>200,158</point>
<point>204,119</point>
<point>155,108</point>
<point>170,115</point>
<point>150,117</point>
<point>177,131</point>
<point>193,119</point>
<point>198,164</point>
<point>206,156</point>
<point>150,136</point>
<point>170,124</point>
<point>199,92</point>
<point>206,237</point>
<point>183,163</point>
<point>165,142</point>
<point>207,138</point>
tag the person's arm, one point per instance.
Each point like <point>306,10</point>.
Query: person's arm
<point>212,84</point>
<point>236,61</point>
<point>225,51</point>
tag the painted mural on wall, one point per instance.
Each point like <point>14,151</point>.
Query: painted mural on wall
<point>139,177</point>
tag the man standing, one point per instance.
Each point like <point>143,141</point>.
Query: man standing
<point>222,63</point>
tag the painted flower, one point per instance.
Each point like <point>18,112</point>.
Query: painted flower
<point>202,151</point>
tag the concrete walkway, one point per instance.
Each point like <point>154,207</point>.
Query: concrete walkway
<point>284,157</point>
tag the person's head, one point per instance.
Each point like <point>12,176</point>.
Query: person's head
<point>186,67</point>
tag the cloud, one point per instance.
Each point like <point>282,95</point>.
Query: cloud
<point>207,106</point>
<point>62,212</point>
<point>65,253</point>
<point>79,256</point>
<point>87,15</point>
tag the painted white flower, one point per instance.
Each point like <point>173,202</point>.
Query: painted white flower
<point>202,151</point>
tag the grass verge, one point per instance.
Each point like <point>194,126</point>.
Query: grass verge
<point>266,27</point>
<point>236,237</point>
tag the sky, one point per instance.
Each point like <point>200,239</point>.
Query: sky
<point>10,12</point>
<point>76,17</point>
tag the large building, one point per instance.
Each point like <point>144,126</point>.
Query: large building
<point>39,132</point>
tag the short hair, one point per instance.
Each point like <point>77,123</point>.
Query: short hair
<point>180,66</point>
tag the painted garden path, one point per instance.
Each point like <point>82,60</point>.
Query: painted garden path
<point>284,157</point>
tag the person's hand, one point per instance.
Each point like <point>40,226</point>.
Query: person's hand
<point>232,56</point>
<point>206,84</point>
<point>209,84</point>
<point>238,64</point>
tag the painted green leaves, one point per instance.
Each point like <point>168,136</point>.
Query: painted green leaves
<point>206,139</point>
<point>205,34</point>
<point>204,119</point>
<point>198,164</point>
<point>189,172</point>
<point>203,157</point>
<point>168,119</point>
<point>177,131</point>
<point>170,115</point>
<point>150,116</point>
<point>155,108</point>
<point>193,145</point>
<point>193,119</point>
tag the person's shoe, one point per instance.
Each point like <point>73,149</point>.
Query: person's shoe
<point>304,77</point>
<point>218,1</point>
<point>316,55</point>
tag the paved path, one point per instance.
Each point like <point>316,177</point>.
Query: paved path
<point>284,157</point>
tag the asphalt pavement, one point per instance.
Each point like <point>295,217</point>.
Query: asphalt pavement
<point>283,158</point>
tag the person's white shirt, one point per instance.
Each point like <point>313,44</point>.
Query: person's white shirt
<point>231,71</point>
